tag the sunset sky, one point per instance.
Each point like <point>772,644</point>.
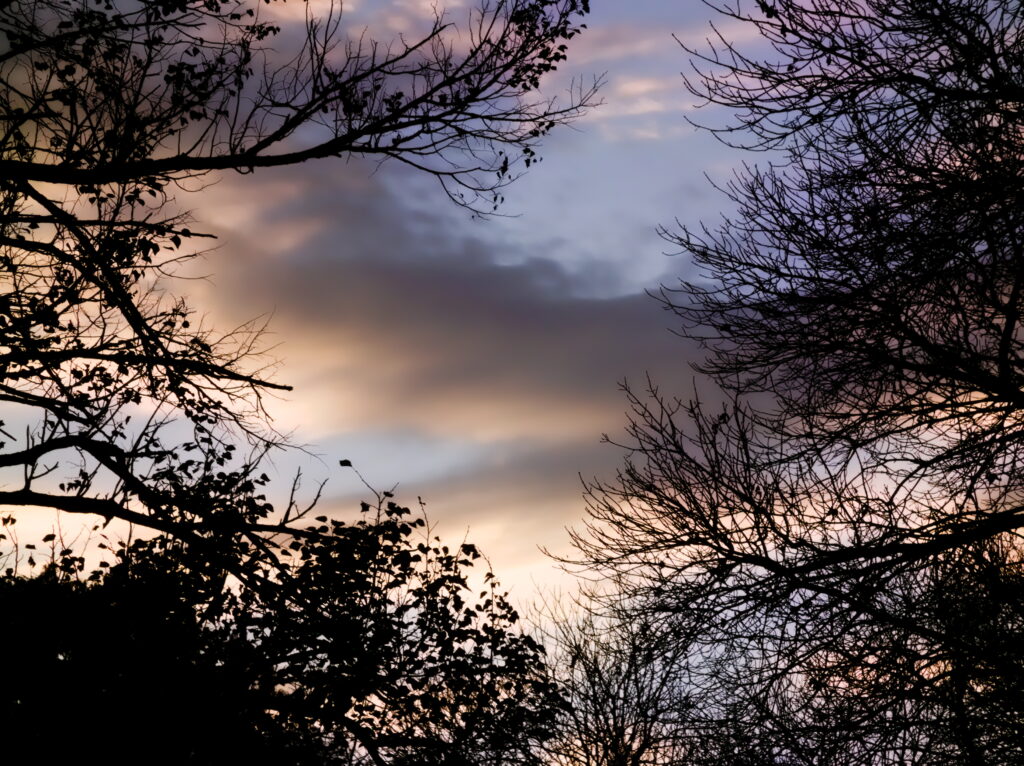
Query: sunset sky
<point>476,364</point>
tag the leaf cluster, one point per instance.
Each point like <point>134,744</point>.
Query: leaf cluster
<point>365,645</point>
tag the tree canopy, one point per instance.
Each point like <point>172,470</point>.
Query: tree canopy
<point>331,642</point>
<point>365,644</point>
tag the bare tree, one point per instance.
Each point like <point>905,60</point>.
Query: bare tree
<point>841,541</point>
<point>872,282</point>
<point>819,627</point>
<point>627,699</point>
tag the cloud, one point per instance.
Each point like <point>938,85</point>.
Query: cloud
<point>614,42</point>
<point>435,351</point>
<point>477,364</point>
<point>514,504</point>
<point>631,87</point>
<point>631,96</point>
<point>389,317</point>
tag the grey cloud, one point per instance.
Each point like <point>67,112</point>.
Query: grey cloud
<point>485,360</point>
<point>389,315</point>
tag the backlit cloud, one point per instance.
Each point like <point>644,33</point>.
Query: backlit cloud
<point>436,352</point>
<point>387,317</point>
<point>476,364</point>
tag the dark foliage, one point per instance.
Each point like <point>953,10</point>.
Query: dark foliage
<point>365,645</point>
<point>122,672</point>
<point>238,631</point>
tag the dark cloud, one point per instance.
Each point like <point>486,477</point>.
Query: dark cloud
<point>476,364</point>
<point>438,352</point>
<point>392,316</point>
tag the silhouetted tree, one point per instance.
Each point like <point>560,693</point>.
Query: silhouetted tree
<point>105,109</point>
<point>122,99</point>
<point>841,542</point>
<point>366,645</point>
<point>123,671</point>
<point>134,410</point>
<point>871,283</point>
<point>627,701</point>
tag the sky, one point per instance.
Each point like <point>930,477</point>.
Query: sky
<point>474,363</point>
